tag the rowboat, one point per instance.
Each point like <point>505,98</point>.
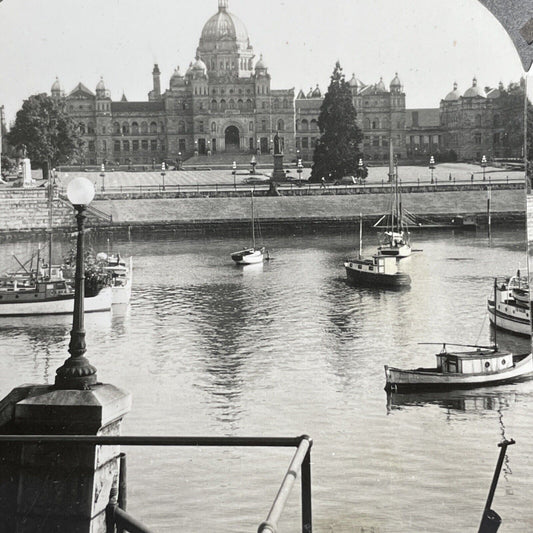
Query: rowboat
<point>484,366</point>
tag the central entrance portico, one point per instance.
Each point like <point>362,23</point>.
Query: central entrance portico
<point>232,139</point>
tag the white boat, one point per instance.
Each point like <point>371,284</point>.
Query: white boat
<point>481,367</point>
<point>395,241</point>
<point>254,254</point>
<point>19,297</point>
<point>509,308</point>
<point>379,271</point>
<point>121,276</point>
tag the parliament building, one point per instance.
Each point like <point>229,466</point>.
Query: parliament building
<point>224,103</point>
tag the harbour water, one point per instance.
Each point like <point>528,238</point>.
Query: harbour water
<point>286,348</point>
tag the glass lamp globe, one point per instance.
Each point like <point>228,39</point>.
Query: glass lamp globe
<point>80,191</point>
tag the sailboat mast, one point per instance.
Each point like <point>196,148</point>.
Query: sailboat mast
<point>50,220</point>
<point>360,235</point>
<point>495,313</point>
<point>394,207</point>
<point>253,223</point>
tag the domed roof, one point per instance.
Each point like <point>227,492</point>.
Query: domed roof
<point>453,95</point>
<point>354,82</point>
<point>316,92</point>
<point>199,65</point>
<point>380,86</point>
<point>224,26</point>
<point>56,86</point>
<point>176,74</point>
<point>260,64</point>
<point>396,81</point>
<point>100,85</point>
<point>475,90</point>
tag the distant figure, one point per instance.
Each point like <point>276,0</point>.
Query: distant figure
<point>472,177</point>
<point>277,149</point>
<point>450,177</point>
<point>323,182</point>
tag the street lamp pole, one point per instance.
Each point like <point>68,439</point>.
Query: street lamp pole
<point>102,174</point>
<point>432,166</point>
<point>234,172</point>
<point>163,168</point>
<point>483,165</point>
<point>77,372</point>
<point>299,167</point>
<point>360,170</point>
<point>253,163</point>
<point>179,160</point>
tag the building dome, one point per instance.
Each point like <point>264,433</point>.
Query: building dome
<point>100,86</point>
<point>453,95</point>
<point>354,82</point>
<point>395,83</point>
<point>199,65</point>
<point>316,92</point>
<point>56,86</point>
<point>475,91</point>
<point>380,86</point>
<point>224,26</point>
<point>260,65</point>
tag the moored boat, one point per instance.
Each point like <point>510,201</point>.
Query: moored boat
<point>469,369</point>
<point>380,271</point>
<point>121,276</point>
<point>509,308</point>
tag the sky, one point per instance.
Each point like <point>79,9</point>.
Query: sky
<point>430,43</point>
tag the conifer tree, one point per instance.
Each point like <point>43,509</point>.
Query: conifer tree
<point>337,151</point>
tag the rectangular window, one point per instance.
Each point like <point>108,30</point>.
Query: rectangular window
<point>144,144</point>
<point>116,146</point>
<point>477,138</point>
<point>126,146</point>
<point>375,141</point>
<point>135,146</point>
<point>153,145</point>
<point>91,146</point>
<point>201,126</point>
<point>305,143</point>
<point>104,146</point>
<point>298,145</point>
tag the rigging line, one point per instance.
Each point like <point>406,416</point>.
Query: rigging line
<point>482,326</point>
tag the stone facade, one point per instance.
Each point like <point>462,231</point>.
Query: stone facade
<point>224,103</point>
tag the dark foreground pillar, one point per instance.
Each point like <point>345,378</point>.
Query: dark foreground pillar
<point>59,488</point>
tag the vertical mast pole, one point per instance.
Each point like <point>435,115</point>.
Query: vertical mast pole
<point>253,223</point>
<point>360,235</point>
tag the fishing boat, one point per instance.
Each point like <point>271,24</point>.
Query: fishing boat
<point>509,308</point>
<point>481,367</point>
<point>25,294</point>
<point>379,271</point>
<point>120,276</point>
<point>254,254</point>
<point>395,240</point>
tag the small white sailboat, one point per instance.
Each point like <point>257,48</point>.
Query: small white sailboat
<point>395,241</point>
<point>253,255</point>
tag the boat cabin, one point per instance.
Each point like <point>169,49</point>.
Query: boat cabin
<point>479,361</point>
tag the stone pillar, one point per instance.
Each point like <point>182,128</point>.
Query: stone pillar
<point>60,488</point>
<point>278,167</point>
<point>27,180</point>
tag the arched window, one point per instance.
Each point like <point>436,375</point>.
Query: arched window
<point>250,126</point>
<point>248,104</point>
<point>240,104</point>
<point>366,123</point>
<point>116,128</point>
<point>375,124</point>
<point>314,125</point>
<point>214,105</point>
<point>134,128</point>
<point>281,125</point>
<point>125,128</point>
<point>144,127</point>
<point>181,127</point>
<point>222,105</point>
<point>162,127</point>
<point>153,127</point>
<point>305,125</point>
<point>264,105</point>
<point>231,104</point>
<point>275,105</point>
<point>478,120</point>
<point>213,127</point>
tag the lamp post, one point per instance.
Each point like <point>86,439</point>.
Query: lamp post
<point>102,174</point>
<point>234,172</point>
<point>253,163</point>
<point>432,166</point>
<point>258,146</point>
<point>163,168</point>
<point>483,165</point>
<point>299,168</point>
<point>360,170</point>
<point>179,160</point>
<point>77,372</point>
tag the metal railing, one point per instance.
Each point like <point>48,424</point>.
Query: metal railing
<point>118,517</point>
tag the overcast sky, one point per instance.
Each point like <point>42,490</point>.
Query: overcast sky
<point>430,43</point>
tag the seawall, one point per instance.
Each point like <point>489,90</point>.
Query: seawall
<point>28,211</point>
